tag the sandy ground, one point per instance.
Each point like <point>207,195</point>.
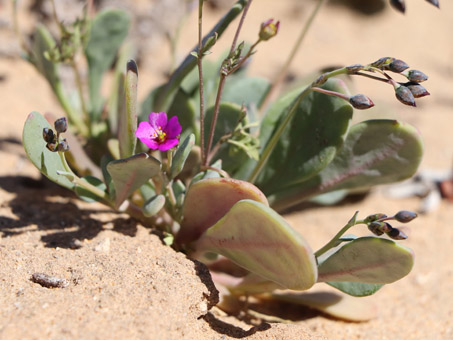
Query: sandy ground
<point>124,283</point>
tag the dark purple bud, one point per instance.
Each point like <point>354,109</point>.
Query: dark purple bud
<point>417,90</point>
<point>405,216</point>
<point>405,96</point>
<point>397,66</point>
<point>374,227</point>
<point>361,102</point>
<point>63,146</point>
<point>51,147</point>
<point>399,5</point>
<point>415,76</point>
<point>48,135</point>
<point>382,62</point>
<point>396,234</point>
<point>434,2</point>
<point>61,125</point>
<point>375,217</point>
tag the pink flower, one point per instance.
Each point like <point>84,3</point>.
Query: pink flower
<point>158,133</point>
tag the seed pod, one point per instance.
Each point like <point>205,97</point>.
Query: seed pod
<point>417,90</point>
<point>397,66</point>
<point>405,96</point>
<point>415,76</point>
<point>61,125</point>
<point>400,5</point>
<point>405,216</point>
<point>48,135</point>
<point>396,234</point>
<point>361,102</point>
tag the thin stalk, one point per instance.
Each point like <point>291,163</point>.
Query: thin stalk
<point>371,77</point>
<point>331,93</point>
<point>281,74</point>
<point>334,242</point>
<point>276,136</point>
<point>222,84</point>
<point>200,77</point>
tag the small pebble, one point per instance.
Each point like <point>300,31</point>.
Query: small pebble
<point>49,281</point>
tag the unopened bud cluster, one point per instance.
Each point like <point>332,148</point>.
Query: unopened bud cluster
<point>53,139</point>
<point>378,225</point>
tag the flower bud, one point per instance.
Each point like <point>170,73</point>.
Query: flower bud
<point>405,216</point>
<point>355,68</point>
<point>397,66</point>
<point>269,29</point>
<point>361,102</point>
<point>48,135</point>
<point>417,90</point>
<point>404,95</point>
<point>382,61</point>
<point>375,217</point>
<point>400,5</point>
<point>396,234</point>
<point>61,125</point>
<point>63,146</point>
<point>415,76</point>
<point>434,2</point>
<point>51,147</point>
<point>375,228</point>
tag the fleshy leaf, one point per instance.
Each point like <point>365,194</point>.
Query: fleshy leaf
<point>128,119</point>
<point>356,288</point>
<point>153,205</point>
<point>35,147</point>
<point>337,305</point>
<point>131,173</point>
<point>248,91</point>
<point>310,142</point>
<point>181,154</point>
<point>88,196</point>
<point>367,260</point>
<point>108,31</point>
<point>375,152</point>
<point>208,200</point>
<point>258,239</point>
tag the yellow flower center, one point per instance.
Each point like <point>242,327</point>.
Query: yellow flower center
<point>160,135</point>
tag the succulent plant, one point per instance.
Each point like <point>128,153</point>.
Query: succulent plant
<point>217,196</point>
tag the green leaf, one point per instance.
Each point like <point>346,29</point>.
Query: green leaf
<point>131,173</point>
<point>107,32</point>
<point>248,91</point>
<point>183,106</point>
<point>35,147</point>
<point>181,154</point>
<point>311,140</point>
<point>375,152</point>
<point>105,160</point>
<point>258,239</point>
<point>228,119</point>
<point>358,289</point>
<point>153,205</point>
<point>368,260</point>
<point>87,195</point>
<point>128,119</point>
<point>208,200</point>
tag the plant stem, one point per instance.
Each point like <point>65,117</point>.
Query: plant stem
<point>222,84</point>
<point>200,77</point>
<point>276,136</point>
<point>281,74</point>
<point>334,242</point>
<point>330,93</point>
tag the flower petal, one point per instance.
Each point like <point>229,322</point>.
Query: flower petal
<point>151,143</point>
<point>144,131</point>
<point>157,119</point>
<point>173,128</point>
<point>168,144</point>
